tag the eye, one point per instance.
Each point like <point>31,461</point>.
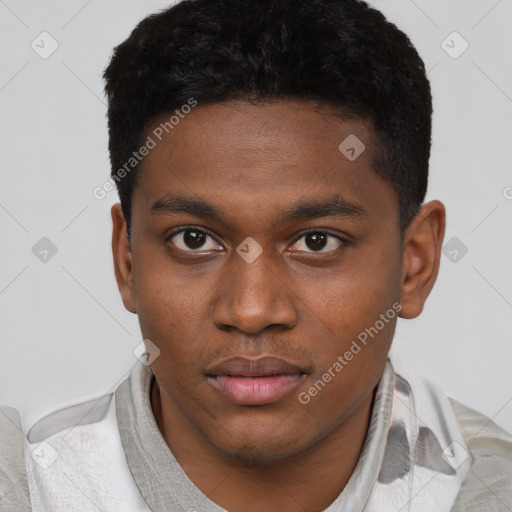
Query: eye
<point>193,239</point>
<point>318,241</point>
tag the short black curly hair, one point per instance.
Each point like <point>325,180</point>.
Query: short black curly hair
<point>342,53</point>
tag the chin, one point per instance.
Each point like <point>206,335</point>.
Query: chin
<point>250,447</point>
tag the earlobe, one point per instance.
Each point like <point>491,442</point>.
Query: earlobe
<point>121,252</point>
<point>421,257</point>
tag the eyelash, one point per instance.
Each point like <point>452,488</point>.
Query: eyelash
<point>343,240</point>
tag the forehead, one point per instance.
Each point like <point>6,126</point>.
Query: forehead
<point>262,156</point>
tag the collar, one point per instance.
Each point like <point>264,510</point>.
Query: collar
<point>414,456</point>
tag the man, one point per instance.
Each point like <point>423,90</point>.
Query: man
<point>271,159</point>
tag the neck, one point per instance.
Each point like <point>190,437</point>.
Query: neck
<point>286,484</point>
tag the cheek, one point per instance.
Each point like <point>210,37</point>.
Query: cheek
<point>163,314</point>
<point>355,318</point>
<point>351,302</point>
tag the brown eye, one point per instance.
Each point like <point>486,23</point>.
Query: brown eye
<point>193,239</point>
<point>317,241</point>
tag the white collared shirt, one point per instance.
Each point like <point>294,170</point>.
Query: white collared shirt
<point>423,453</point>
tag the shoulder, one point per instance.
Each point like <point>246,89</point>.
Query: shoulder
<point>14,492</point>
<point>75,460</point>
<point>89,412</point>
<point>488,484</point>
<point>70,436</point>
<point>62,444</point>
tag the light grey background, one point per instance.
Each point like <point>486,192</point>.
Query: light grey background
<point>65,334</point>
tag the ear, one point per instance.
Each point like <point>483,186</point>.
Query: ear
<point>421,257</point>
<point>121,251</point>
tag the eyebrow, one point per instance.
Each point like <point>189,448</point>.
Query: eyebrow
<point>335,206</point>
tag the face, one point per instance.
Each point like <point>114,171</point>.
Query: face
<point>254,237</point>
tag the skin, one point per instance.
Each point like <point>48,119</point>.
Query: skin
<point>298,301</point>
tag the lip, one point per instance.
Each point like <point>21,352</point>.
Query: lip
<point>247,381</point>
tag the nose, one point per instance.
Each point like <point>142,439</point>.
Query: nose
<point>254,296</point>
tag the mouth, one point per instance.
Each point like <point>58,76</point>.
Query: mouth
<point>255,381</point>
